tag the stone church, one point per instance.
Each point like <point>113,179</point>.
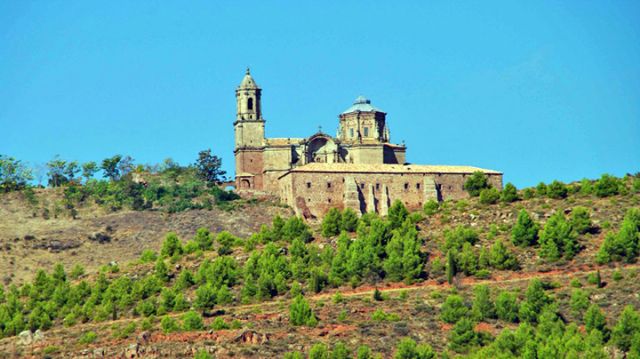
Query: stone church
<point>359,168</point>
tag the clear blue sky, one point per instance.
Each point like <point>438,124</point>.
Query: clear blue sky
<point>539,90</point>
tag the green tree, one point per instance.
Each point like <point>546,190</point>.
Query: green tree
<point>300,312</point>
<point>227,241</point>
<point>558,239</point>
<point>340,351</point>
<point>408,349</point>
<point>509,193</point>
<point>319,351</point>
<point>162,272</point>
<point>525,231</point>
<point>14,175</point>
<point>110,167</point>
<point>209,167</point>
<point>205,297</point>
<point>364,352</point>
<point>579,302</point>
<point>606,186</point>
<point>557,190</point>
<point>541,189</point>
<point>501,257</point>
<point>462,337</point>
<point>403,254</point>
<point>397,214</point>
<point>483,307</point>
<point>169,325</point>
<point>467,260</point>
<point>451,266</point>
<point>171,245</point>
<point>489,196</point>
<point>507,306</point>
<point>192,321</point>
<point>203,238</point>
<point>453,309</point>
<point>55,172</point>
<point>89,169</point>
<point>626,327</point>
<point>594,319</point>
<point>581,220</point>
<point>331,223</point>
<point>349,220</point>
<point>476,183</point>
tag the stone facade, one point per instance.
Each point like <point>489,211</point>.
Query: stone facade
<point>359,168</point>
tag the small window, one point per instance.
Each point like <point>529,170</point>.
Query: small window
<point>362,185</point>
<point>366,132</point>
<point>329,200</point>
<point>406,186</point>
<point>351,132</point>
<point>308,184</point>
<point>250,104</point>
<point>377,186</point>
<point>328,184</point>
<point>417,185</point>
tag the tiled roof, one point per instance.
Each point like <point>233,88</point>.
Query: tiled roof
<point>388,168</point>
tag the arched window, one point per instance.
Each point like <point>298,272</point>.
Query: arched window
<point>250,104</point>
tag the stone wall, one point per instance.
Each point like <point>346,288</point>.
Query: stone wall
<point>317,192</point>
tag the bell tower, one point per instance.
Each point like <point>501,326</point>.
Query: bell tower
<point>249,135</point>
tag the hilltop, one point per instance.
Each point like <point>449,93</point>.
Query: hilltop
<point>548,270</point>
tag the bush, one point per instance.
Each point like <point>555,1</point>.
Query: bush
<point>627,326</point>
<point>300,313</point>
<point>319,351</point>
<point>607,186</point>
<point>557,190</point>
<point>171,245</point>
<point>88,338</point>
<point>462,337</point>
<point>148,256</point>
<point>502,258</point>
<point>482,308</point>
<point>525,231</point>
<point>581,220</point>
<point>509,193</point>
<point>219,324</point>
<point>407,349</point>
<point>203,238</point>
<point>202,354</point>
<point>489,196</point>
<point>476,183</point>
<point>453,309</point>
<point>169,325</point>
<point>192,321</point>
<point>431,207</point>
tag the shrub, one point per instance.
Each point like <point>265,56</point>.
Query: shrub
<point>557,190</point>
<point>397,214</point>
<point>594,319</point>
<point>502,258</point>
<point>607,186</point>
<point>509,193</point>
<point>489,196</point>
<point>476,183</point>
<point>407,349</point>
<point>525,231</point>
<point>202,354</point>
<point>541,189</point>
<point>579,302</point>
<point>219,324</point>
<point>453,309</point>
<point>581,220</point>
<point>171,245</point>
<point>626,327</point>
<point>88,338</point>
<point>431,207</point>
<point>169,325</point>
<point>192,321</point>
<point>203,238</point>
<point>319,351</point>
<point>528,193</point>
<point>148,256</point>
<point>300,312</point>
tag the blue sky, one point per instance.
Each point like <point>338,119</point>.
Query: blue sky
<point>539,90</point>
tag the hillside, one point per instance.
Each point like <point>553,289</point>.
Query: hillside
<point>515,274</point>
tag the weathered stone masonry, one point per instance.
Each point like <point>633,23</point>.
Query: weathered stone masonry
<point>359,168</point>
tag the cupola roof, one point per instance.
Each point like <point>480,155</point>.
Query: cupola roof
<point>362,104</point>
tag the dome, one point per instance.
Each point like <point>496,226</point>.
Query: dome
<point>248,82</point>
<point>362,104</point>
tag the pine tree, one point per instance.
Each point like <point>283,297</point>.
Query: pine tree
<point>331,223</point>
<point>451,267</point>
<point>525,231</point>
<point>483,307</point>
<point>462,337</point>
<point>626,327</point>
